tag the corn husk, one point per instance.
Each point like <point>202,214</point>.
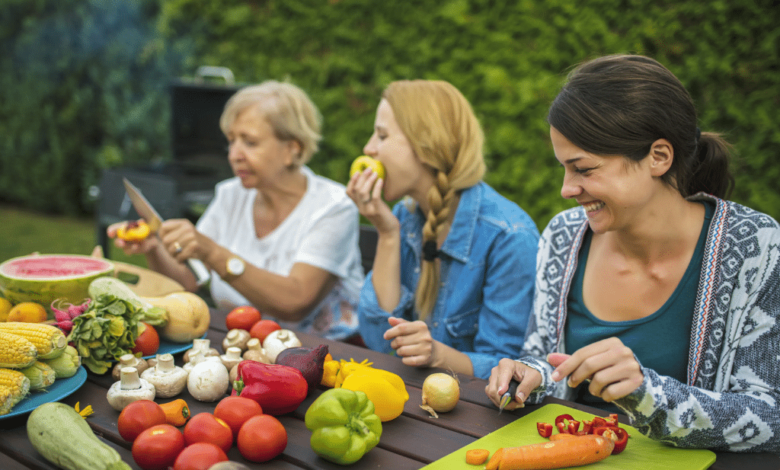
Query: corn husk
<point>40,375</point>
<point>67,364</point>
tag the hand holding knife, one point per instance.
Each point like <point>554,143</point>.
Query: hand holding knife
<point>154,221</point>
<point>508,396</point>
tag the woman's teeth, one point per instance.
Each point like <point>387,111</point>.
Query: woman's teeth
<point>593,206</point>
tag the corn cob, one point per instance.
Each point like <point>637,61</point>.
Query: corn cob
<point>13,387</point>
<point>47,339</point>
<point>40,375</point>
<point>16,352</point>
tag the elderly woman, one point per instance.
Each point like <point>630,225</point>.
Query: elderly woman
<point>452,281</point>
<point>660,298</point>
<point>276,235</point>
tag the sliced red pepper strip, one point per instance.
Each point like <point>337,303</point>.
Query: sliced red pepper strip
<point>544,429</point>
<point>562,428</point>
<point>573,427</point>
<point>613,419</point>
<point>586,426</point>
<point>560,418</point>
<point>622,437</point>
<point>598,422</point>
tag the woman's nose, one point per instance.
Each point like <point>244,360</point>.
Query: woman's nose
<point>370,148</point>
<point>569,189</point>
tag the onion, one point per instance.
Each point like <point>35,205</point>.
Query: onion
<point>440,392</point>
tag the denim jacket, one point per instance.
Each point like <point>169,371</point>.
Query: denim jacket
<point>487,278</point>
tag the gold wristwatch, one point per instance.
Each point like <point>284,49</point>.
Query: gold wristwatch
<point>234,267</point>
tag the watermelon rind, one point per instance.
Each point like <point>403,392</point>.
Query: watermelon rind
<point>71,288</point>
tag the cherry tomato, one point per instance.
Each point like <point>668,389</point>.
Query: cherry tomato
<point>156,448</point>
<point>199,456</point>
<point>205,427</point>
<point>148,341</point>
<point>243,318</point>
<point>235,411</point>
<point>262,438</point>
<point>137,417</point>
<point>263,328</point>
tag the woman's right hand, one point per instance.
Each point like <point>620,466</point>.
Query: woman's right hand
<point>506,370</point>
<point>132,248</point>
<point>365,189</point>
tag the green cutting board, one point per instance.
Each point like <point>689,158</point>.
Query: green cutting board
<point>642,453</point>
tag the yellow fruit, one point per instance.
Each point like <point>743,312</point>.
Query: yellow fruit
<point>363,162</point>
<point>5,308</point>
<point>387,394</point>
<point>28,312</point>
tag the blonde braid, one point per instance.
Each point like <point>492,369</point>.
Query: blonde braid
<point>440,200</point>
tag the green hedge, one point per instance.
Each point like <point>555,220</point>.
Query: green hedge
<point>508,58</point>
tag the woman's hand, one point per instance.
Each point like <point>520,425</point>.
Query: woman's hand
<point>412,342</point>
<point>140,247</point>
<point>506,370</point>
<point>365,189</point>
<point>610,366</point>
<point>182,241</point>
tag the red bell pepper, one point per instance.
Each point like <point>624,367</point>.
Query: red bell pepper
<point>622,437</point>
<point>279,389</point>
<point>544,429</point>
<point>567,424</point>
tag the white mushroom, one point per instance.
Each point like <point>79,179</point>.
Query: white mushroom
<point>279,340</point>
<point>203,345</point>
<point>255,352</point>
<point>168,379</point>
<point>236,338</point>
<point>231,358</point>
<point>129,360</point>
<point>128,389</point>
<point>208,381</point>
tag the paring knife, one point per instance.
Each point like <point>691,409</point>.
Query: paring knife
<point>153,219</point>
<point>509,395</point>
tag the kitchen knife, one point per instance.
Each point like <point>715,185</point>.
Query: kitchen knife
<point>153,219</point>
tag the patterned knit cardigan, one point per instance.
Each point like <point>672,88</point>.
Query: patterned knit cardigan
<point>730,400</point>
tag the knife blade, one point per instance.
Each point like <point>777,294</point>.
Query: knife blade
<point>153,219</point>
<point>509,395</point>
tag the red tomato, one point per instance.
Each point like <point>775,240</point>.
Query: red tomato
<point>243,318</point>
<point>157,447</point>
<point>262,438</point>
<point>148,341</point>
<point>199,456</point>
<point>138,416</point>
<point>235,411</point>
<point>263,328</point>
<point>205,427</point>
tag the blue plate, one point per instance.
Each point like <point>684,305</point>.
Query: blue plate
<point>172,348</point>
<point>59,390</point>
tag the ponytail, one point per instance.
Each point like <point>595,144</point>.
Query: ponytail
<point>710,170</point>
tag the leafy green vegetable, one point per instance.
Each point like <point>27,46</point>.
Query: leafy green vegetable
<point>105,332</point>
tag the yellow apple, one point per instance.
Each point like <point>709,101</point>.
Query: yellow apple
<point>362,162</point>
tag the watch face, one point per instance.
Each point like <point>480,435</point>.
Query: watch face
<point>235,266</point>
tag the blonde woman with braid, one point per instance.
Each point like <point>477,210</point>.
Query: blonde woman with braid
<point>452,281</point>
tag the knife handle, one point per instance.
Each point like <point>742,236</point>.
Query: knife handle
<point>201,272</point>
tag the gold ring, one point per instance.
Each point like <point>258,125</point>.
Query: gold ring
<point>177,248</point>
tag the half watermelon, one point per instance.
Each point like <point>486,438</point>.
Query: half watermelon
<point>45,278</point>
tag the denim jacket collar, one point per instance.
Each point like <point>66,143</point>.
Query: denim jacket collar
<point>459,239</point>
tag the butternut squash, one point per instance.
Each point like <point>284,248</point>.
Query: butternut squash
<point>188,316</point>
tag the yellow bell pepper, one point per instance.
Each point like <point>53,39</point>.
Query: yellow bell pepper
<point>329,371</point>
<point>386,390</point>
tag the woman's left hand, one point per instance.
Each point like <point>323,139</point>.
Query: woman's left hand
<point>182,241</point>
<point>610,366</point>
<point>412,342</point>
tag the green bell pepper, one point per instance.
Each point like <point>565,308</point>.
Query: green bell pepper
<point>343,424</point>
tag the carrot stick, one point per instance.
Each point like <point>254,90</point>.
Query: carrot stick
<point>556,454</point>
<point>476,456</point>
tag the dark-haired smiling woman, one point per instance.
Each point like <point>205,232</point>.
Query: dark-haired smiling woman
<point>664,296</point>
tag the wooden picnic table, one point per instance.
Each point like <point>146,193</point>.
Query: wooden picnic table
<point>411,441</point>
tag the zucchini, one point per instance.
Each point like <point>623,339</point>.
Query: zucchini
<point>63,438</point>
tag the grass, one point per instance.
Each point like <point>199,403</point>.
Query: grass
<point>23,232</point>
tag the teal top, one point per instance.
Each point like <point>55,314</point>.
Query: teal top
<point>660,341</point>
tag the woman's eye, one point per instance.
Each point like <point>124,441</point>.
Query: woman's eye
<point>381,136</point>
<point>583,171</point>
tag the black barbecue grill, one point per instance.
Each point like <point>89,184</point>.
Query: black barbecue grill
<point>183,187</point>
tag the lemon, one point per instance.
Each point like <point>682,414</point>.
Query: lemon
<point>29,312</point>
<point>5,309</point>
